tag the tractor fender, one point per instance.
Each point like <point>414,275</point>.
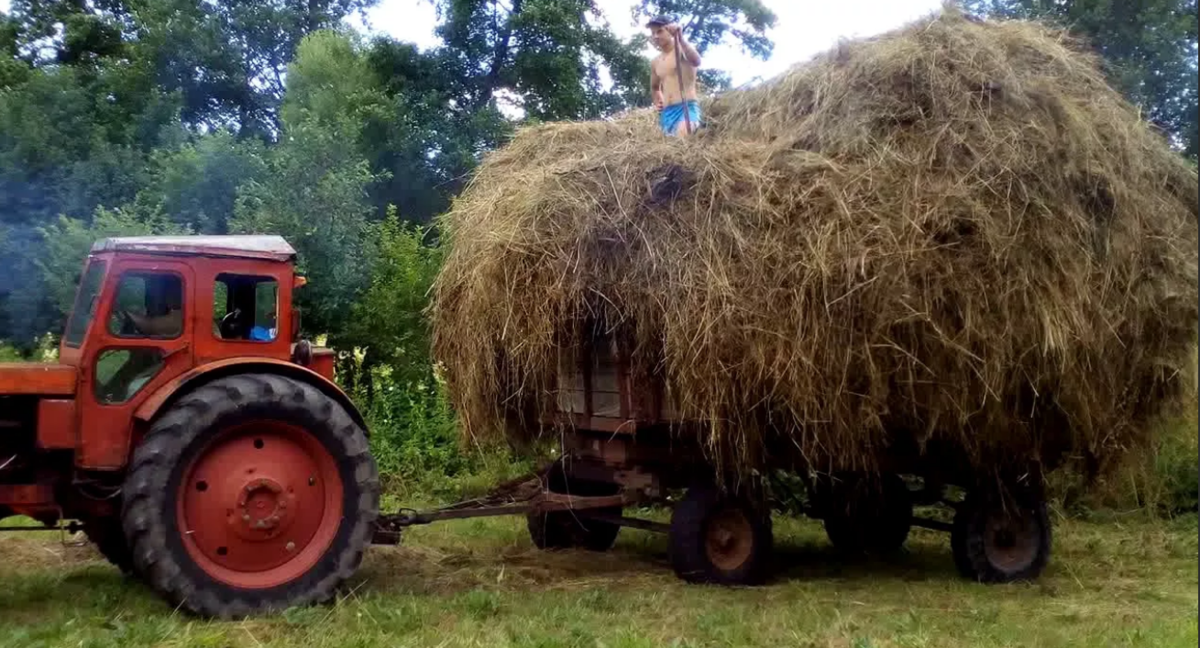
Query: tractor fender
<point>168,393</point>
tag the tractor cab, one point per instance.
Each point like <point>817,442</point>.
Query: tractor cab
<point>144,300</point>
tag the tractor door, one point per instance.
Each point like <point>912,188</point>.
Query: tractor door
<point>141,341</point>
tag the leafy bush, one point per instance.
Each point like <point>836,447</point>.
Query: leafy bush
<point>414,435</point>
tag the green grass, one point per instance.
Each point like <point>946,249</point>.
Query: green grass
<point>1117,582</point>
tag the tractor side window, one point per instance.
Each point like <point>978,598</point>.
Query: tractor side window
<point>121,373</point>
<point>245,308</point>
<point>85,304</point>
<point>148,305</point>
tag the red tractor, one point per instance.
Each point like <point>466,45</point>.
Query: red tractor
<point>193,437</point>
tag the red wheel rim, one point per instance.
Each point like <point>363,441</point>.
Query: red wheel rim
<point>259,505</point>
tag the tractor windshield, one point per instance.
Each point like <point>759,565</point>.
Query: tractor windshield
<point>85,304</point>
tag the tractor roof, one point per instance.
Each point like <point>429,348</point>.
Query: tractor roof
<point>273,248</point>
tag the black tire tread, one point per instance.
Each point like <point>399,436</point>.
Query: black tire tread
<point>967,543</point>
<point>870,533</point>
<point>568,530</point>
<point>156,458</point>
<point>687,541</point>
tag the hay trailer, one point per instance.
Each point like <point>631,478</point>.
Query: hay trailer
<point>622,448</point>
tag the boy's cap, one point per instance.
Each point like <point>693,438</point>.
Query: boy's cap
<point>659,21</point>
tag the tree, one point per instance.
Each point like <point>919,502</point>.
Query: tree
<point>314,191</point>
<point>90,31</point>
<point>228,58</point>
<point>66,243</point>
<point>550,54</point>
<point>1150,46</point>
<point>71,140</point>
<point>427,137</point>
<point>196,185</point>
<point>389,320</point>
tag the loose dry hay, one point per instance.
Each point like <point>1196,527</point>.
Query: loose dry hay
<point>955,234</point>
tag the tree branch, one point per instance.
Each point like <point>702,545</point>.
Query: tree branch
<point>499,58</point>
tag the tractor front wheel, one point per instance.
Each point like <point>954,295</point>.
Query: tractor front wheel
<point>252,493</point>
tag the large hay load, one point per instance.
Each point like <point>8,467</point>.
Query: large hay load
<point>955,241</point>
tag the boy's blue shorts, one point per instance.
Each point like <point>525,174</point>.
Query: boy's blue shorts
<point>671,116</point>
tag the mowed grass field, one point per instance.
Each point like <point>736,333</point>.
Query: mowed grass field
<point>1115,582</point>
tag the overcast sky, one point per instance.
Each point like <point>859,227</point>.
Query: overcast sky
<point>804,28</point>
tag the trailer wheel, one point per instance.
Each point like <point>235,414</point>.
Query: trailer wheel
<point>252,493</point>
<point>866,516</point>
<point>571,529</point>
<point>568,529</point>
<point>719,539</point>
<point>995,545</point>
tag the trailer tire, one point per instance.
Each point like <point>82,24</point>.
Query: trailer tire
<point>571,529</point>
<point>718,539</point>
<point>992,546</point>
<point>271,469</point>
<point>869,517</point>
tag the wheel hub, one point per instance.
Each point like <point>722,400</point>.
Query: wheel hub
<point>262,507</point>
<point>729,539</point>
<point>260,504</point>
<point>1011,541</point>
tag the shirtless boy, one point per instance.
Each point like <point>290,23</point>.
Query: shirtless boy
<point>671,99</point>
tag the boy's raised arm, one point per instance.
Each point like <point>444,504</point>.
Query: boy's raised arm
<point>689,52</point>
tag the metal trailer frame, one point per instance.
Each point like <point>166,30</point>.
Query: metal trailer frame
<point>616,430</point>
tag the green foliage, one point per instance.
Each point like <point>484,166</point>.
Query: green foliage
<point>389,320</point>
<point>196,185</point>
<point>1151,46</point>
<point>314,192</point>
<point>413,431</point>
<point>68,240</point>
<point>547,52</point>
<point>1161,481</point>
<point>424,138</point>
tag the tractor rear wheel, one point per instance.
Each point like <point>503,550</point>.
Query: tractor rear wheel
<point>252,493</point>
